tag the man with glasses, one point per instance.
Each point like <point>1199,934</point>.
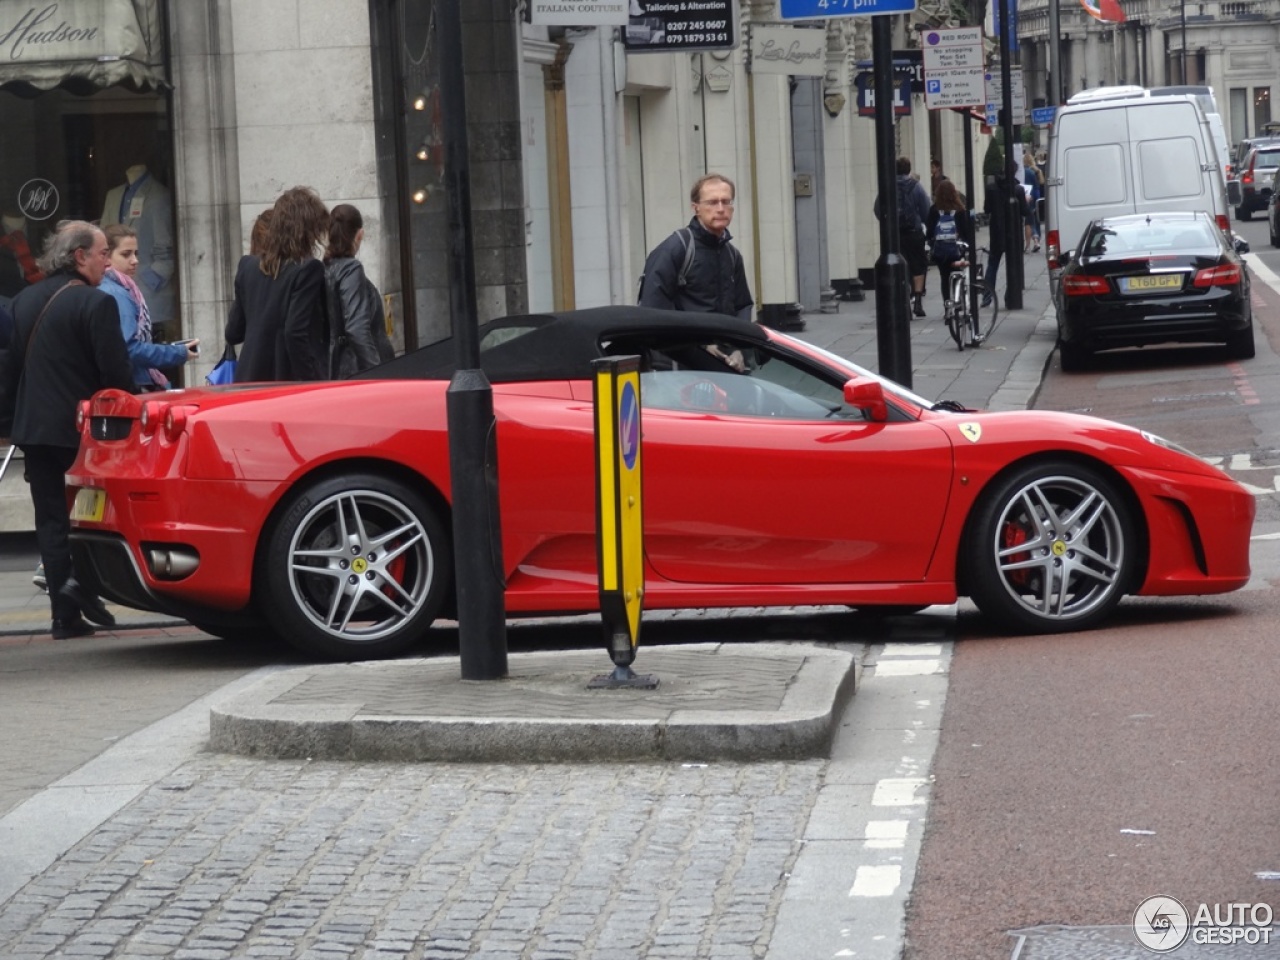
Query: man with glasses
<point>698,268</point>
<point>66,347</point>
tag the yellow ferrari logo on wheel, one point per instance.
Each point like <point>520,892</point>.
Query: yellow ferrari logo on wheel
<point>972,431</point>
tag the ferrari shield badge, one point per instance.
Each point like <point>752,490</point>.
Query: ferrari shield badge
<point>972,431</point>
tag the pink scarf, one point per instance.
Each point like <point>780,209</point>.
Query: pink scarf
<point>143,332</point>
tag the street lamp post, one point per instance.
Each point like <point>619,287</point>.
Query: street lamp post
<point>1184,41</point>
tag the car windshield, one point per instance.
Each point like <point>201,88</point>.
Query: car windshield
<point>1149,236</point>
<point>1269,158</point>
<point>854,370</point>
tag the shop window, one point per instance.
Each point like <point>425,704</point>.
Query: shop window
<point>103,158</point>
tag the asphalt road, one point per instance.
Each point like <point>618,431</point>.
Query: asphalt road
<point>1078,775</point>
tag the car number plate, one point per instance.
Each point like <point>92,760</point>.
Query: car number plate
<point>90,505</point>
<point>1163,281</point>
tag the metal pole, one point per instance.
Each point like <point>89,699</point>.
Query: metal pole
<point>893,331</point>
<point>473,447</point>
<point>1055,54</point>
<point>1184,41</point>
<point>971,201</point>
<point>1013,272</point>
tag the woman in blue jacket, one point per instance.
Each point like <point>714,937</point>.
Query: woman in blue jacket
<point>145,356</point>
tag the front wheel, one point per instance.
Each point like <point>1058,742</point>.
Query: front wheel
<point>1050,548</point>
<point>356,567</point>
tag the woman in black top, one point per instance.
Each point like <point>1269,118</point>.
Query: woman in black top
<point>278,314</point>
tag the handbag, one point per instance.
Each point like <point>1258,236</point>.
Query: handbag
<point>224,371</point>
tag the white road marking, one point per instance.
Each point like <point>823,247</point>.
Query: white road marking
<point>886,834</point>
<point>898,792</point>
<point>878,881</point>
<point>911,650</point>
<point>907,668</point>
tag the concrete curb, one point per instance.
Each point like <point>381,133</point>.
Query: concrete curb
<point>714,702</point>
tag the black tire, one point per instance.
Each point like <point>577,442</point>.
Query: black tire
<point>1244,213</point>
<point>1050,548</point>
<point>1271,229</point>
<point>355,567</point>
<point>1240,344</point>
<point>1073,357</point>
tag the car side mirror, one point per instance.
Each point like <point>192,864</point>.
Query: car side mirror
<point>1235,196</point>
<point>1241,244</point>
<point>1067,257</point>
<point>867,395</point>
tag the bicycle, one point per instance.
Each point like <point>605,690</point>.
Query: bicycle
<point>964,304</point>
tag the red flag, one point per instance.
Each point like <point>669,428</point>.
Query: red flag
<point>1107,11</point>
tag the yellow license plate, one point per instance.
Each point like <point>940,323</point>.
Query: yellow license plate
<point>1169,281</point>
<point>90,505</point>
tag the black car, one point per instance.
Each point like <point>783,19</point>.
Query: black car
<point>1257,171</point>
<point>1153,278</point>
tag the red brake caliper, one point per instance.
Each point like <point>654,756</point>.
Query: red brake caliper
<point>1014,535</point>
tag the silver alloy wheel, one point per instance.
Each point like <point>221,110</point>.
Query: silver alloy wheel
<point>360,565</point>
<point>1059,547</point>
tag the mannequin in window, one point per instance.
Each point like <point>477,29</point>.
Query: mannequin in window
<point>17,261</point>
<point>145,204</point>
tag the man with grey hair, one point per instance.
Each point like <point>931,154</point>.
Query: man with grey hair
<point>66,346</point>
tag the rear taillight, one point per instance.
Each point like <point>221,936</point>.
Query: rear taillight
<point>1078,285</point>
<point>1224,224</point>
<point>175,421</point>
<point>1226,275</point>
<point>150,417</point>
<point>1053,252</point>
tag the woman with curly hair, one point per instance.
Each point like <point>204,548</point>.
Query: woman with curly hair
<point>278,315</point>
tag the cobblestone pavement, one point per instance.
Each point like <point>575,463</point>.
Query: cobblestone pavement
<point>229,857</point>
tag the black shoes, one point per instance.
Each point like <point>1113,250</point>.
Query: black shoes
<point>90,604</point>
<point>918,306</point>
<point>69,629</point>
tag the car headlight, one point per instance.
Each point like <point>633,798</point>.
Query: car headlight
<point>1168,444</point>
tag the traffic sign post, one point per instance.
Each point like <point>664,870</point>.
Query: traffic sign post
<point>1043,116</point>
<point>824,9</point>
<point>954,72</point>
<point>893,324</point>
<point>995,97</point>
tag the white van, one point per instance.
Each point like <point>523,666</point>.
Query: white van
<point>1115,155</point>
<point>1209,104</point>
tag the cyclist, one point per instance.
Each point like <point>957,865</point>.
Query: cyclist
<point>948,224</point>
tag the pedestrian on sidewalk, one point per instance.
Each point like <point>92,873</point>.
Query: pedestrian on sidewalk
<point>994,206</point>
<point>949,223</point>
<point>66,347</point>
<point>698,268</point>
<point>913,210</point>
<point>1033,181</point>
<point>936,177</point>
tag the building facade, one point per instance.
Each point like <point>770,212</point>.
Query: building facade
<point>1232,46</point>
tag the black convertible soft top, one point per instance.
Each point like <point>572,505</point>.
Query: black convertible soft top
<point>561,346</point>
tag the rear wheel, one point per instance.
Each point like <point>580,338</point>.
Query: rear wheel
<point>1240,344</point>
<point>356,567</point>
<point>1073,357</point>
<point>1271,228</point>
<point>1050,548</point>
<point>1244,213</point>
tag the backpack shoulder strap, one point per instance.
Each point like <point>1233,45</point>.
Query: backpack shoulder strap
<point>686,237</point>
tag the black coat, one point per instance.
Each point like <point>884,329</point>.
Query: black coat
<point>280,321</point>
<point>76,351</point>
<point>357,324</point>
<point>715,283</point>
